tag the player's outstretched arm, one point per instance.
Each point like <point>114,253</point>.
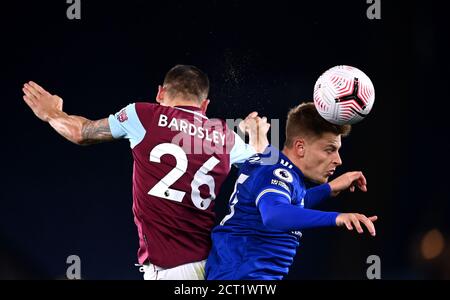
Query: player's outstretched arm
<point>49,108</point>
<point>278,213</point>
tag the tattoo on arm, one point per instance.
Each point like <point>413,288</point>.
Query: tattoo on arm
<point>96,132</point>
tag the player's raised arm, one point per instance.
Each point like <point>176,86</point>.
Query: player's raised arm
<point>49,108</point>
<point>256,128</point>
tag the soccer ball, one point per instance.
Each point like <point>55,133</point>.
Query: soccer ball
<point>344,95</point>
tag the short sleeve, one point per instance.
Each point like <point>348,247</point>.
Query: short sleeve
<point>126,125</point>
<point>240,151</point>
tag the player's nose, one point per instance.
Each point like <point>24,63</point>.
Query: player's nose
<point>337,159</point>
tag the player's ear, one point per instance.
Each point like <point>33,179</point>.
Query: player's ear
<point>299,147</point>
<point>204,105</point>
<point>160,94</point>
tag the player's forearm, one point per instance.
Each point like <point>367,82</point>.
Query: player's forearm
<point>80,130</point>
<point>258,141</point>
<point>70,127</point>
<point>314,196</point>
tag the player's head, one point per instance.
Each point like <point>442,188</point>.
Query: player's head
<point>184,83</point>
<point>312,143</point>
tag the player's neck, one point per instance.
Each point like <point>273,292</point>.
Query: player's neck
<point>182,102</point>
<point>292,157</point>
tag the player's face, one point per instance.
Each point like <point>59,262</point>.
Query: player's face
<point>321,157</point>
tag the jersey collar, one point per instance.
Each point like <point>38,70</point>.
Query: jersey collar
<point>294,167</point>
<point>192,109</point>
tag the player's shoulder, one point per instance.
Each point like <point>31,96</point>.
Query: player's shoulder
<point>146,111</point>
<point>145,106</point>
<point>271,173</point>
<point>272,164</point>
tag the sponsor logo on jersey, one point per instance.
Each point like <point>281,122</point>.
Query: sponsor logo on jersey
<point>284,175</point>
<point>280,183</point>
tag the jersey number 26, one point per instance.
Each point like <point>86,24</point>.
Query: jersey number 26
<point>162,188</point>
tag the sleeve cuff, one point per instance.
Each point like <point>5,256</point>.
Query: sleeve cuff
<point>327,187</point>
<point>332,218</point>
<point>116,131</point>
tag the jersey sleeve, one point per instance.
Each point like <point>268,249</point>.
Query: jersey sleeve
<point>126,125</point>
<point>274,200</point>
<point>277,182</point>
<point>277,213</point>
<point>240,151</point>
<point>314,196</point>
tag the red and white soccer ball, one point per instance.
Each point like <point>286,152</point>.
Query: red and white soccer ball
<point>344,95</point>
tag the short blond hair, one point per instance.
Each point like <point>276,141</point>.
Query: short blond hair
<point>304,120</point>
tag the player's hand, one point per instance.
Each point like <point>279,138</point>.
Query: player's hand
<point>353,220</point>
<point>348,181</point>
<point>42,103</point>
<point>253,124</point>
<point>244,125</point>
<point>257,128</point>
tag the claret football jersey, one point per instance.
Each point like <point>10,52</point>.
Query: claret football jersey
<point>181,158</point>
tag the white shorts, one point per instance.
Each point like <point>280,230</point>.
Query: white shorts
<point>191,271</point>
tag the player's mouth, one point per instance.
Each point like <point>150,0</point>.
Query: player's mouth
<point>330,173</point>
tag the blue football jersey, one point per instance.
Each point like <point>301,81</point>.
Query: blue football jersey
<point>243,247</point>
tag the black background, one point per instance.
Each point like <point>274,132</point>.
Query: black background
<point>58,199</point>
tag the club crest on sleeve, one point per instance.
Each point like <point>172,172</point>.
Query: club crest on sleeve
<point>122,116</point>
<point>284,175</point>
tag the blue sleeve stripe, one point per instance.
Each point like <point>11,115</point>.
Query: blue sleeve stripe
<point>271,191</point>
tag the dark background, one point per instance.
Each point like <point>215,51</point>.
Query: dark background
<point>58,199</point>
